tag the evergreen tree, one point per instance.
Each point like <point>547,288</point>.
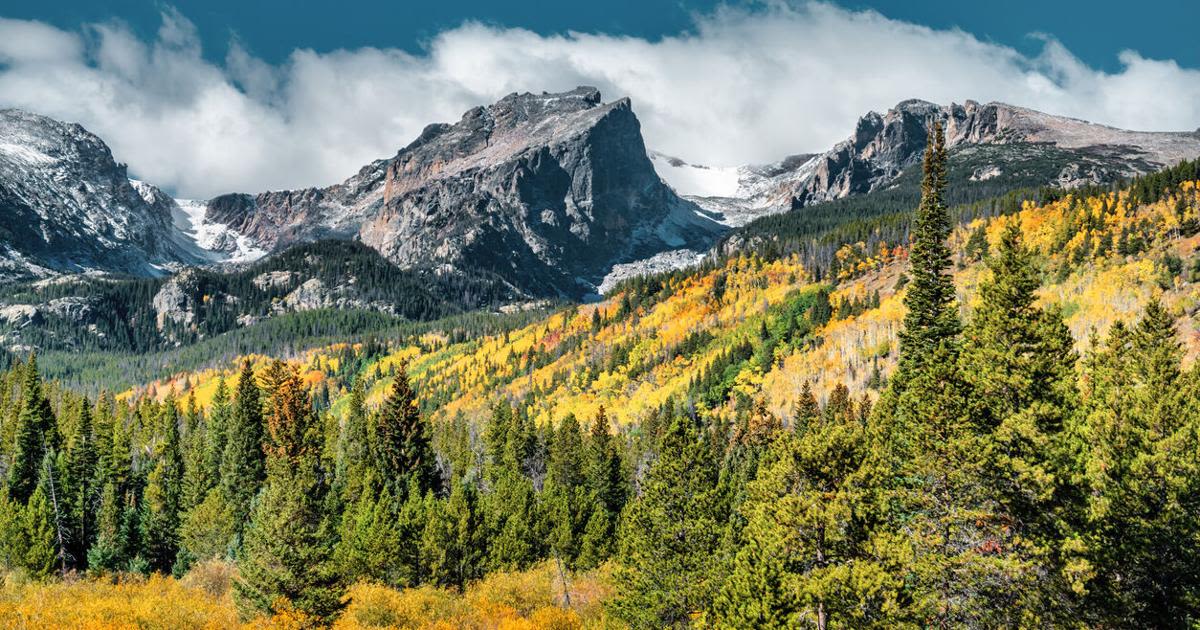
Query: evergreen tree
<point>41,552</point>
<point>1019,364</point>
<point>453,544</point>
<point>667,562</point>
<point>35,435</point>
<point>286,558</point>
<point>82,458</point>
<point>606,480</point>
<point>242,464</point>
<point>932,317</point>
<point>565,498</point>
<point>216,428</point>
<point>806,409</point>
<point>164,495</point>
<point>1140,477</point>
<point>198,479</point>
<point>353,447</point>
<point>401,445</point>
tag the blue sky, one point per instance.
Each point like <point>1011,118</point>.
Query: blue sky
<point>1094,30</point>
<point>213,96</point>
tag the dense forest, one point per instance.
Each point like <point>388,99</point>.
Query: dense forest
<point>994,476</point>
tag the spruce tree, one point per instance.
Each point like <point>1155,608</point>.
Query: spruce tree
<point>353,447</point>
<point>667,564</point>
<point>400,446</point>
<point>82,458</point>
<point>606,480</point>
<point>35,434</point>
<point>242,464</point>
<point>1019,364</point>
<point>453,544</point>
<point>565,498</point>
<point>41,552</point>
<point>1142,492</point>
<point>164,495</point>
<point>932,317</point>
<point>217,428</point>
<point>198,479</point>
<point>287,553</point>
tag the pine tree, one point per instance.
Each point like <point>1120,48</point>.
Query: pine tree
<point>565,498</point>
<point>1142,492</point>
<point>116,518</point>
<point>758,592</point>
<point>806,409</point>
<point>41,553</point>
<point>370,538</point>
<point>35,435</point>
<point>453,544</point>
<point>1019,364</point>
<point>666,563</point>
<point>286,558</point>
<point>606,480</point>
<point>807,558</point>
<point>353,447</point>
<point>217,430</point>
<point>932,317</point>
<point>401,446</point>
<point>242,464</point>
<point>82,458</point>
<point>164,495</point>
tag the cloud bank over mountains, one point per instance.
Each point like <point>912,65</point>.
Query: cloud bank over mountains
<point>741,86</point>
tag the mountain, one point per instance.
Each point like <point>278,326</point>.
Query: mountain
<point>760,326</point>
<point>1011,146</point>
<point>334,283</point>
<point>548,191</point>
<point>68,206</point>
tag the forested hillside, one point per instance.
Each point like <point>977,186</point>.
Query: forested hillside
<point>138,315</point>
<point>989,423</point>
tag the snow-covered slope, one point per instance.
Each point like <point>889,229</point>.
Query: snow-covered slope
<point>68,206</point>
<point>224,243</point>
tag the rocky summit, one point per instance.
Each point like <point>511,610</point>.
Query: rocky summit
<point>883,145</point>
<point>68,206</point>
<point>548,191</point>
<point>997,139</point>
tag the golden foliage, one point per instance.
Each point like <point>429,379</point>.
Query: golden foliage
<point>531,599</point>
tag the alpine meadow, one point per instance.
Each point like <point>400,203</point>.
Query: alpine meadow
<point>532,370</point>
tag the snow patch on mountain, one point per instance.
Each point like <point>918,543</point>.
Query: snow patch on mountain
<point>658,263</point>
<point>191,218</point>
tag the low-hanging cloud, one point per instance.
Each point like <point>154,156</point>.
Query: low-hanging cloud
<point>741,86</point>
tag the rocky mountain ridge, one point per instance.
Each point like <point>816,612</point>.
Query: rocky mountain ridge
<point>69,206</point>
<point>882,146</point>
<point>548,191</point>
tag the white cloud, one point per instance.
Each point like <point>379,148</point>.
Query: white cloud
<point>743,86</point>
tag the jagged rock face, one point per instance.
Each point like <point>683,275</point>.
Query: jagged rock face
<point>68,206</point>
<point>882,146</point>
<point>548,191</point>
<point>174,302</point>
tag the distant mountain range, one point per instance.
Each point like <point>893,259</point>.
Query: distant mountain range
<point>1003,141</point>
<point>554,195</point>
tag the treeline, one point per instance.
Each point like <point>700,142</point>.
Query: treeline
<point>305,503</point>
<point>284,335</point>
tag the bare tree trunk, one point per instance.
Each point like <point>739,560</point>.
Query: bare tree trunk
<point>58,529</point>
<point>562,577</point>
